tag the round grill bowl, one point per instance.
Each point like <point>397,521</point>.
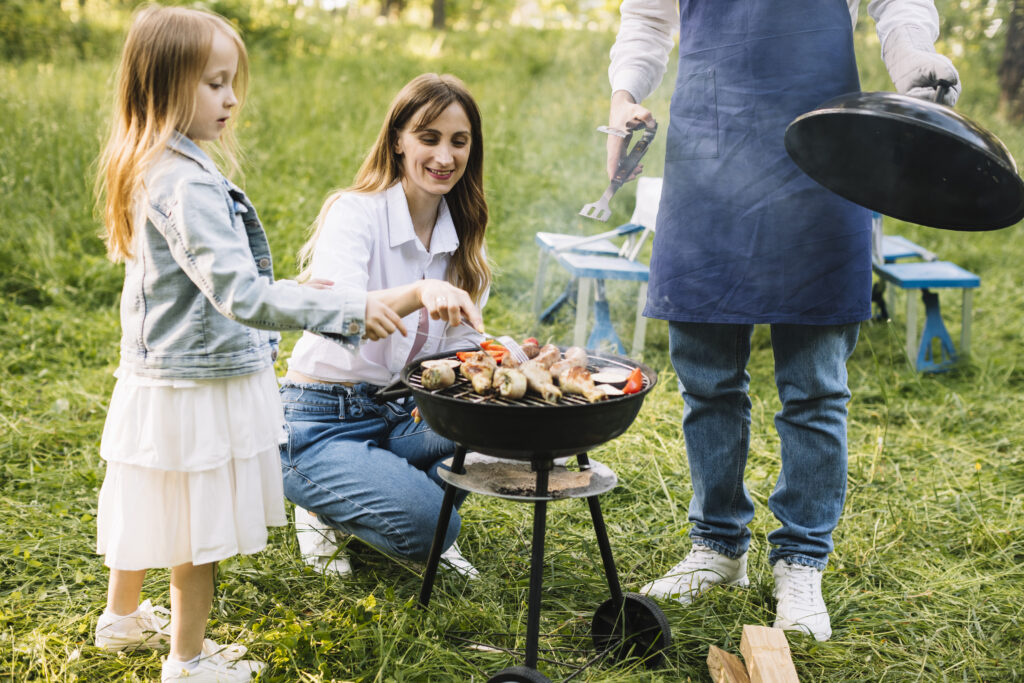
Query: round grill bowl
<point>526,430</point>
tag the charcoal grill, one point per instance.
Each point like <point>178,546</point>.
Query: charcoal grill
<point>532,430</point>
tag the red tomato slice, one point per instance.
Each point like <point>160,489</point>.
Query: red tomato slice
<point>635,382</point>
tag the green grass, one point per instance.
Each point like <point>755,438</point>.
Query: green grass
<point>926,582</point>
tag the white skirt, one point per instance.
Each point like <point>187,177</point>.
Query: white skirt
<point>193,470</point>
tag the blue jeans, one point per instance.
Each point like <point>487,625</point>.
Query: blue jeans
<point>810,373</point>
<point>365,467</point>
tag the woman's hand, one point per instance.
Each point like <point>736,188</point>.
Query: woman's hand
<point>625,114</point>
<point>381,319</point>
<point>445,301</point>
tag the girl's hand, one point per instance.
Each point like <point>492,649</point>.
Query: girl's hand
<point>445,301</point>
<point>381,319</point>
<point>318,283</point>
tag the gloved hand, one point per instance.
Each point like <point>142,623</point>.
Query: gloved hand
<point>915,68</point>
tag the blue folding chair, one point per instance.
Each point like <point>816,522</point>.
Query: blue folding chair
<point>590,262</point>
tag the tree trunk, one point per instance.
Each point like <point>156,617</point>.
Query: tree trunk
<point>439,17</point>
<point>389,8</point>
<point>1011,70</point>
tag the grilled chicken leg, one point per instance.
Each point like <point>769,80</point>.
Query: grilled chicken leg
<point>509,382</point>
<point>575,356</point>
<point>577,380</point>
<point>479,368</point>
<point>538,379</point>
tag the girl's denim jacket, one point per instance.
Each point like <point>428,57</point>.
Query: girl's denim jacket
<point>199,298</point>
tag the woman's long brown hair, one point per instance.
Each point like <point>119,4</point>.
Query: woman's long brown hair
<point>421,101</point>
<point>162,61</point>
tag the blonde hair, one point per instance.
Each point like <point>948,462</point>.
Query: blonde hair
<point>162,62</point>
<point>421,101</point>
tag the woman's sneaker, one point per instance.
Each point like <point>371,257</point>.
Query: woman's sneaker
<point>800,605</point>
<point>318,544</point>
<point>702,569</point>
<point>454,560</point>
<point>146,629</point>
<point>210,670</point>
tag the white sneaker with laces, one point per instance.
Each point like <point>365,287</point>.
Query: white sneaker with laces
<point>800,605</point>
<point>318,544</point>
<point>210,670</point>
<point>702,569</point>
<point>454,560</point>
<point>147,629</point>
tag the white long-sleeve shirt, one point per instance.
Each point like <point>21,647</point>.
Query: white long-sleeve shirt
<point>368,243</point>
<point>645,38</point>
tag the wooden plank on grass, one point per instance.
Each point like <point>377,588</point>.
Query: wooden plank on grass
<point>766,652</point>
<point>725,667</point>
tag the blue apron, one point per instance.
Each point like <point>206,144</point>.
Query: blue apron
<point>744,236</point>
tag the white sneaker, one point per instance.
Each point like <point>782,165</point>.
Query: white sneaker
<point>232,652</point>
<point>454,560</point>
<point>211,670</point>
<point>800,605</point>
<point>318,544</point>
<point>145,630</point>
<point>702,569</point>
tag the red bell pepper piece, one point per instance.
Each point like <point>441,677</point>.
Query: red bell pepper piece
<point>635,382</point>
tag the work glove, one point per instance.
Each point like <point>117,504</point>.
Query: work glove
<point>916,69</point>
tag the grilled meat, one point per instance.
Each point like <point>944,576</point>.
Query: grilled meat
<point>437,376</point>
<point>479,368</point>
<point>538,380</point>
<point>575,356</point>
<point>530,348</point>
<point>548,356</point>
<point>577,380</point>
<point>509,382</point>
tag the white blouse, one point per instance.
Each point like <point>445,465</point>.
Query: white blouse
<point>645,37</point>
<point>368,242</point>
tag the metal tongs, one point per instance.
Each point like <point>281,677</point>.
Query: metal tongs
<point>599,210</point>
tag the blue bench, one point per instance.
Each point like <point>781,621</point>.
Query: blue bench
<point>934,352</point>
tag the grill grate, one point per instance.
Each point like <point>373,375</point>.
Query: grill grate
<point>463,389</point>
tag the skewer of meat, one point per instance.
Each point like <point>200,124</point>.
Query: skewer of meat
<point>478,368</point>
<point>509,382</point>
<point>538,380</point>
<point>577,380</point>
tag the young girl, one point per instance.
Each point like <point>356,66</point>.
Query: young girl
<point>192,431</point>
<point>411,229</point>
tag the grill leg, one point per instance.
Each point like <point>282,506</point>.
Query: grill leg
<point>540,510</point>
<point>447,505</point>
<point>602,540</point>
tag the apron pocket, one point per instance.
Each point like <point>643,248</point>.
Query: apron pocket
<point>693,119</point>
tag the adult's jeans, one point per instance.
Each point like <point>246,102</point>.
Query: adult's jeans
<point>810,373</point>
<point>366,468</point>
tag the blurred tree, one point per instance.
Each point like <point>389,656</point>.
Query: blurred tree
<point>439,15</point>
<point>391,8</point>
<point>1011,69</point>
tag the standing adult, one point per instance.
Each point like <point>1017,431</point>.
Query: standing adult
<point>744,237</point>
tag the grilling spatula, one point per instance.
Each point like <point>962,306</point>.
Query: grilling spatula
<point>599,210</point>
